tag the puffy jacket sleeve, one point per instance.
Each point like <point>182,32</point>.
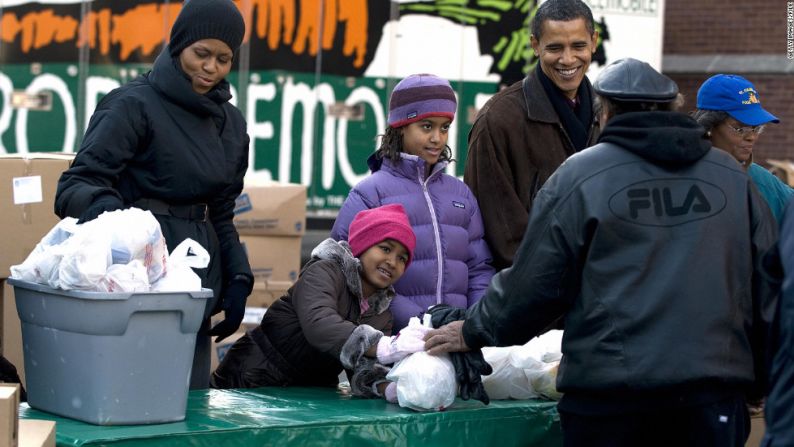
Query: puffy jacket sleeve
<point>480,269</point>
<point>490,178</point>
<point>115,132</point>
<point>316,298</point>
<point>235,260</point>
<point>546,265</point>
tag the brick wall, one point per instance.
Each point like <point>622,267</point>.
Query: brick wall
<point>725,26</point>
<point>777,96</point>
<point>735,29</point>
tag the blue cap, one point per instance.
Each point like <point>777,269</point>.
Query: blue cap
<point>736,96</point>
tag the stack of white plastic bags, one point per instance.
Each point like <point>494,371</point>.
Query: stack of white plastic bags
<point>119,251</point>
<point>528,371</point>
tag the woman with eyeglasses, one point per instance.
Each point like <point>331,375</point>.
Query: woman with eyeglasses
<point>729,108</point>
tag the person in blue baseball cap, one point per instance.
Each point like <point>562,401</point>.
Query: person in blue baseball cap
<point>729,108</point>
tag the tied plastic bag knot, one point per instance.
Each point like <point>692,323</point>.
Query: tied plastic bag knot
<point>424,382</point>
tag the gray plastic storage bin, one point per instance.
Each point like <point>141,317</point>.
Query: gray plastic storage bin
<point>109,358</point>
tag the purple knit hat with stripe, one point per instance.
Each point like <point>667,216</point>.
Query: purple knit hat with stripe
<point>419,96</point>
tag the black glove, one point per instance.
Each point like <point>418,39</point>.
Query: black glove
<point>469,366</point>
<point>234,299</point>
<point>101,203</point>
<point>366,375</point>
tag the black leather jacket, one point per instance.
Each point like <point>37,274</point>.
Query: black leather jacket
<point>646,243</point>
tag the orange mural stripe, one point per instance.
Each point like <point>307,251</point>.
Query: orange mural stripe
<point>293,23</point>
<point>356,14</point>
<point>9,27</point>
<point>105,18</point>
<point>330,12</point>
<point>140,28</point>
<point>308,25</point>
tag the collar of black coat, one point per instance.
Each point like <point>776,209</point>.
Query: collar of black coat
<point>669,138</point>
<point>170,81</point>
<point>340,253</point>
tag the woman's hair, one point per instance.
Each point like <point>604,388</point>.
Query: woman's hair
<point>614,108</point>
<point>709,118</point>
<point>391,144</point>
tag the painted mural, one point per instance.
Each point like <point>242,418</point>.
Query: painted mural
<point>313,75</point>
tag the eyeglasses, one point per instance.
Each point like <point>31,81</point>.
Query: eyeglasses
<point>747,130</point>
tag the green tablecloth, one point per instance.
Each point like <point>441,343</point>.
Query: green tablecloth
<point>318,417</point>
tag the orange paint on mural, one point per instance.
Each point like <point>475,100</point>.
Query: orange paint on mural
<point>142,28</point>
<point>292,23</point>
<point>38,29</point>
<point>356,14</point>
<point>275,21</point>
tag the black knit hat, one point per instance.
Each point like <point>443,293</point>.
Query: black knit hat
<point>207,19</point>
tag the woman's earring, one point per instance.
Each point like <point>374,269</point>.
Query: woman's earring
<point>708,134</point>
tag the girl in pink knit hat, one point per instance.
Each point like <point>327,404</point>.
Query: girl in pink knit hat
<point>335,316</point>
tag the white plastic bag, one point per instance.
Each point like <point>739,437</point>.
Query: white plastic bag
<point>131,277</point>
<point>528,371</point>
<point>180,276</point>
<point>134,234</point>
<point>424,382</point>
<point>41,265</point>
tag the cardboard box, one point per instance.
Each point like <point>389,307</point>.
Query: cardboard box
<point>27,194</point>
<point>36,433</point>
<point>265,292</point>
<point>272,257</point>
<point>9,414</point>
<point>271,209</point>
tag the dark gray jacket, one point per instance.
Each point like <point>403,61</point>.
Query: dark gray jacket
<point>647,244</point>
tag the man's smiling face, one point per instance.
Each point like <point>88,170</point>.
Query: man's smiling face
<point>565,49</point>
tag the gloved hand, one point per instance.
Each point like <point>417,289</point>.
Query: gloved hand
<point>469,365</point>
<point>234,299</point>
<point>390,394</point>
<point>366,375</point>
<point>101,203</point>
<point>469,368</point>
<point>409,340</point>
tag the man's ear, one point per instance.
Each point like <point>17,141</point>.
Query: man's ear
<point>535,44</point>
<point>595,40</point>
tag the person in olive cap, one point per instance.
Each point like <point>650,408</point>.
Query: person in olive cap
<point>646,244</point>
<point>171,143</point>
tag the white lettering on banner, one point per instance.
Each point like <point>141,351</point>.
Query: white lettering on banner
<point>6,87</point>
<point>258,130</point>
<point>95,88</point>
<point>307,97</point>
<point>56,84</point>
<point>361,94</point>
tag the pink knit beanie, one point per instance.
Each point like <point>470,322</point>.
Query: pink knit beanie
<point>372,226</point>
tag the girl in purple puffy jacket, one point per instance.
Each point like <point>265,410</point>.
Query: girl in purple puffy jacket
<point>452,261</point>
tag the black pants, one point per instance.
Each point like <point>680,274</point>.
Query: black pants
<point>721,424</point>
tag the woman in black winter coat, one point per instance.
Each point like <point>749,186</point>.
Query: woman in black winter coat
<point>170,142</point>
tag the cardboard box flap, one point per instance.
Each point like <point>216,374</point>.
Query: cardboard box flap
<point>271,209</point>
